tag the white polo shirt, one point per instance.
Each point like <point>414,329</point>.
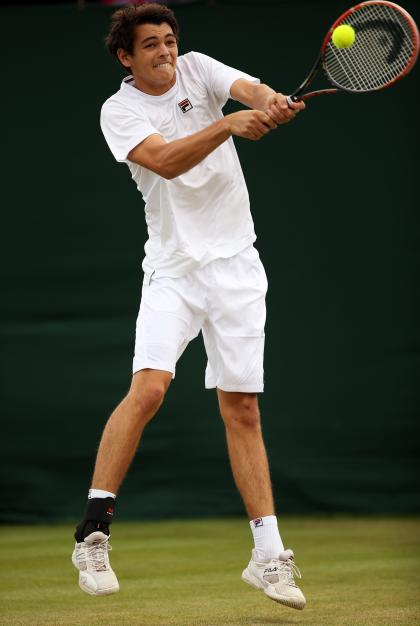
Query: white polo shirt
<point>203,214</point>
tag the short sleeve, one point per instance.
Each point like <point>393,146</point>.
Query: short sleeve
<point>124,128</point>
<point>219,77</point>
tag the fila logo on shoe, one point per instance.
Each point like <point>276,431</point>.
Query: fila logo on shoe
<point>270,570</point>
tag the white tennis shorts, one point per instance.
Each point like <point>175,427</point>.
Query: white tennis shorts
<point>225,299</point>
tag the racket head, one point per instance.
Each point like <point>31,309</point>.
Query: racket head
<point>385,50</point>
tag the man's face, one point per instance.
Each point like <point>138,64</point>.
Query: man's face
<point>153,61</point>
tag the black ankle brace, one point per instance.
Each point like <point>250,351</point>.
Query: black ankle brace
<point>98,515</point>
<point>100,510</point>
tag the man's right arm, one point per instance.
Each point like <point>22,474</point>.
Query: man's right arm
<point>177,157</point>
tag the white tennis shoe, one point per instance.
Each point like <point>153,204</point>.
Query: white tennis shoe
<point>90,557</point>
<point>276,579</point>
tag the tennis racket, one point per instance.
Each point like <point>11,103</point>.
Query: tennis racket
<point>385,49</point>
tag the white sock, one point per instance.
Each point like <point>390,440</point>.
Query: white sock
<point>268,543</point>
<point>100,493</point>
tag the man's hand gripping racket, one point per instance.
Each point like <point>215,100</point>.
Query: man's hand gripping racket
<point>385,49</point>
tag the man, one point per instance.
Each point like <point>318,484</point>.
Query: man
<point>201,272</point>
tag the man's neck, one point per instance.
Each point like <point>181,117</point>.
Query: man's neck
<point>153,90</point>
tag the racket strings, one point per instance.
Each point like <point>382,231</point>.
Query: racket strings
<point>380,54</point>
<point>383,42</point>
<point>383,48</point>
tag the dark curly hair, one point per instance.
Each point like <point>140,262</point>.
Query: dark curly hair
<point>124,21</point>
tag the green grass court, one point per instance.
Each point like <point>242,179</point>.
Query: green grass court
<point>356,571</point>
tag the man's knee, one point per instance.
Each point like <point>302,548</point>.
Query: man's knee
<point>144,404</point>
<point>241,411</point>
<point>146,395</point>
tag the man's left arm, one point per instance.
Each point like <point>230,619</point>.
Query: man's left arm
<point>263,98</point>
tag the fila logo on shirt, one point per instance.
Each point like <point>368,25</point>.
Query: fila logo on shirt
<point>185,105</point>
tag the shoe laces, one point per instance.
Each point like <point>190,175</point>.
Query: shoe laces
<point>287,568</point>
<point>97,555</point>
<point>290,568</point>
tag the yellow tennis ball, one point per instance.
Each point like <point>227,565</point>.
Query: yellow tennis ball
<point>343,36</point>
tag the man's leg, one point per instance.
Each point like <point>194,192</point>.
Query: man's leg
<point>124,428</point>
<point>118,445</point>
<point>271,568</point>
<point>248,457</point>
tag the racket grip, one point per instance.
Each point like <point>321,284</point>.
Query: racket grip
<point>291,99</point>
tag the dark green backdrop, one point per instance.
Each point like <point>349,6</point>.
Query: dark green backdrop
<point>335,202</point>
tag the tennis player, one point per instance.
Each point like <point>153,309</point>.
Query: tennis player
<point>201,273</point>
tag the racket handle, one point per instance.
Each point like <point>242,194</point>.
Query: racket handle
<point>291,99</point>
